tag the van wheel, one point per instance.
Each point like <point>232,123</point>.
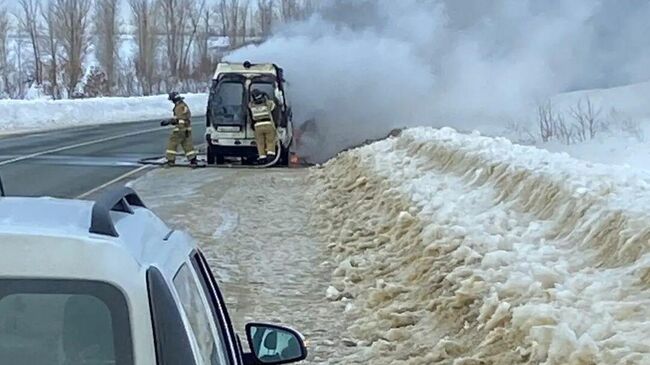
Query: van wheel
<point>210,155</point>
<point>284,157</point>
<point>219,159</point>
<point>213,156</point>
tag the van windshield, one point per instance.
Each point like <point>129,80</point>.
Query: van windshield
<point>226,104</point>
<point>63,322</point>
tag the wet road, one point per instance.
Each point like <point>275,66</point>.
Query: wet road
<point>70,162</point>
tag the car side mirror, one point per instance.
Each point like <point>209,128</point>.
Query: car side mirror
<point>274,345</point>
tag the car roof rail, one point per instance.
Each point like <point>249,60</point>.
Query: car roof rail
<point>117,200</point>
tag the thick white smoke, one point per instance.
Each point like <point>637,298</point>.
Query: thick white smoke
<point>363,67</point>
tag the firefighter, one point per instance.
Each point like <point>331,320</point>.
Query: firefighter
<point>261,110</point>
<point>182,133</point>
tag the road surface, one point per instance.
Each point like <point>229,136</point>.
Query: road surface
<point>69,163</point>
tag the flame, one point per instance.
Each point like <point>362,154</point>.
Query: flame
<point>294,160</point>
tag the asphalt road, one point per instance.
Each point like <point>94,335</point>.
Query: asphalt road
<point>68,163</point>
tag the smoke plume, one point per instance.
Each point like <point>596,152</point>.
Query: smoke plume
<point>360,68</point>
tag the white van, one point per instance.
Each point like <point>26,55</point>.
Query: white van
<point>229,131</point>
<point>108,282</point>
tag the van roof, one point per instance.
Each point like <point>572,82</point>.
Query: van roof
<point>239,68</point>
<point>58,232</point>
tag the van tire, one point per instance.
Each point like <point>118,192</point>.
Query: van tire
<point>284,157</point>
<point>210,155</point>
<point>214,156</point>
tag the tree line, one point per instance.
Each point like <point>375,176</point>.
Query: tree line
<point>88,48</point>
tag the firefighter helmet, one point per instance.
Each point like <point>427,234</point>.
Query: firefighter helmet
<point>175,97</point>
<point>258,95</point>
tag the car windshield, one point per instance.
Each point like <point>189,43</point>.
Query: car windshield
<point>62,322</point>
<point>226,104</point>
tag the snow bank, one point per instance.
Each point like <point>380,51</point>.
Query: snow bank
<point>22,115</point>
<point>464,249</point>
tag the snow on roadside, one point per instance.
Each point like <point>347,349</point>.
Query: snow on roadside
<point>464,249</point>
<point>27,115</point>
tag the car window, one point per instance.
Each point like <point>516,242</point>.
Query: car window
<point>63,322</point>
<point>173,345</point>
<point>226,103</point>
<point>229,94</point>
<point>217,304</point>
<point>266,87</point>
<point>211,345</point>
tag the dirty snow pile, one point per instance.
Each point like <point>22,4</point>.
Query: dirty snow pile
<point>462,249</point>
<point>23,115</point>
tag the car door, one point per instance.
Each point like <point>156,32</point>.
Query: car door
<point>228,108</point>
<point>211,288</point>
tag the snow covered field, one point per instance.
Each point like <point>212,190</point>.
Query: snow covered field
<point>624,118</point>
<point>27,115</point>
<point>463,249</point>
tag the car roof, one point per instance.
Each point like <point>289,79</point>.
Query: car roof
<point>84,239</point>
<point>68,217</point>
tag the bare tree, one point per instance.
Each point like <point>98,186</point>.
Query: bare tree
<point>565,132</point>
<point>175,16</point>
<point>222,11</point>
<point>264,16</point>
<point>51,46</point>
<point>553,125</point>
<point>195,20</point>
<point>547,122</point>
<point>229,11</point>
<point>107,38</point>
<point>308,8</point>
<point>28,23</point>
<point>243,15</point>
<point>4,64</point>
<point>233,20</point>
<point>289,10</point>
<point>586,119</point>
<point>72,30</point>
<point>18,51</point>
<point>144,19</point>
<point>202,45</point>
<point>182,18</point>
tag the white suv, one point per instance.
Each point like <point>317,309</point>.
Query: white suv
<point>107,282</point>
